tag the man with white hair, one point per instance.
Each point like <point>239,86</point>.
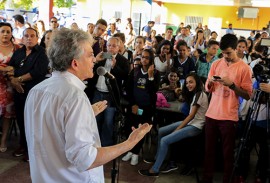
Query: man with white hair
<point>61,129</point>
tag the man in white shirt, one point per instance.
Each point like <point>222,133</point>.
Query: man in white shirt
<point>19,28</point>
<point>184,36</point>
<point>60,125</point>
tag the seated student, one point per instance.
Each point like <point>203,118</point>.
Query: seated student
<point>138,46</point>
<point>191,126</point>
<point>206,59</point>
<point>241,51</point>
<point>163,61</point>
<point>182,62</point>
<point>196,54</point>
<point>199,41</point>
<point>169,84</point>
<point>249,46</point>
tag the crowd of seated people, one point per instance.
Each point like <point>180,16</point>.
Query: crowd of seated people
<point>139,62</point>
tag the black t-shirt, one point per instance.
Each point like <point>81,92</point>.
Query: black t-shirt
<point>185,68</point>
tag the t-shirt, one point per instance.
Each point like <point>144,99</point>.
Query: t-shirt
<point>161,66</point>
<point>146,29</point>
<point>185,67</point>
<point>201,100</point>
<point>142,97</point>
<point>224,102</point>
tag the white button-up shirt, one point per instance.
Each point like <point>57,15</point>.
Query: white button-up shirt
<point>61,132</point>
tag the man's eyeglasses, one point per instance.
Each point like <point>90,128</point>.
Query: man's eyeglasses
<point>22,62</point>
<point>112,45</point>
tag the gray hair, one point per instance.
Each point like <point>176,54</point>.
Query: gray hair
<point>65,46</point>
<point>115,38</point>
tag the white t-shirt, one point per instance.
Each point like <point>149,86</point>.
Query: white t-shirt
<point>61,132</point>
<point>18,32</point>
<point>161,66</point>
<point>200,99</point>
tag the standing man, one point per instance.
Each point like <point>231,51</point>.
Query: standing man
<point>90,28</point>
<point>99,44</point>
<point>19,28</point>
<point>97,89</point>
<point>30,65</point>
<point>147,29</point>
<point>54,23</point>
<point>61,129</point>
<point>229,78</point>
<point>53,27</point>
<point>185,36</point>
<point>169,35</point>
<point>230,29</point>
<point>206,33</point>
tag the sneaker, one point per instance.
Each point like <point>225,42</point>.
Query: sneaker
<point>19,152</point>
<point>127,157</point>
<point>149,161</point>
<point>171,166</point>
<point>147,173</point>
<point>134,159</point>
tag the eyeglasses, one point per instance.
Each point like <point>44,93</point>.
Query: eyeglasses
<point>112,45</point>
<point>53,21</point>
<point>22,62</point>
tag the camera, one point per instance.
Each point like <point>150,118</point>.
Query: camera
<point>262,70</point>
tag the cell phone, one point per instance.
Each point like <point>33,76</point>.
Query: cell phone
<point>107,55</point>
<point>140,112</point>
<point>217,77</point>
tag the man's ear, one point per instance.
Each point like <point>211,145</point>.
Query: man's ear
<point>74,64</point>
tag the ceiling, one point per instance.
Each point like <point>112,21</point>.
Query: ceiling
<point>253,3</point>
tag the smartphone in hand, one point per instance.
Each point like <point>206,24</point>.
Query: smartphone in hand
<point>107,55</point>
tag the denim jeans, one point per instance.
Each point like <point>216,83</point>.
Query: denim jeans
<point>166,137</point>
<point>105,120</point>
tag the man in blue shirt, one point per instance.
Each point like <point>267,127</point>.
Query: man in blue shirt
<point>230,30</point>
<point>147,29</point>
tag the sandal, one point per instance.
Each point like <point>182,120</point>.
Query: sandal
<point>3,149</point>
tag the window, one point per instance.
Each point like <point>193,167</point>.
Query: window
<point>193,21</point>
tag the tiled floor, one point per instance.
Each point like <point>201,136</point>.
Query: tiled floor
<point>14,170</point>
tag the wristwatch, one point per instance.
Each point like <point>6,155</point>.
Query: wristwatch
<point>232,86</point>
<point>20,79</point>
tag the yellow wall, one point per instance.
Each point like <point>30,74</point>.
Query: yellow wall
<point>176,13</point>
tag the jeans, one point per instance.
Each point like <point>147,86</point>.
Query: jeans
<point>166,137</point>
<point>105,120</point>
